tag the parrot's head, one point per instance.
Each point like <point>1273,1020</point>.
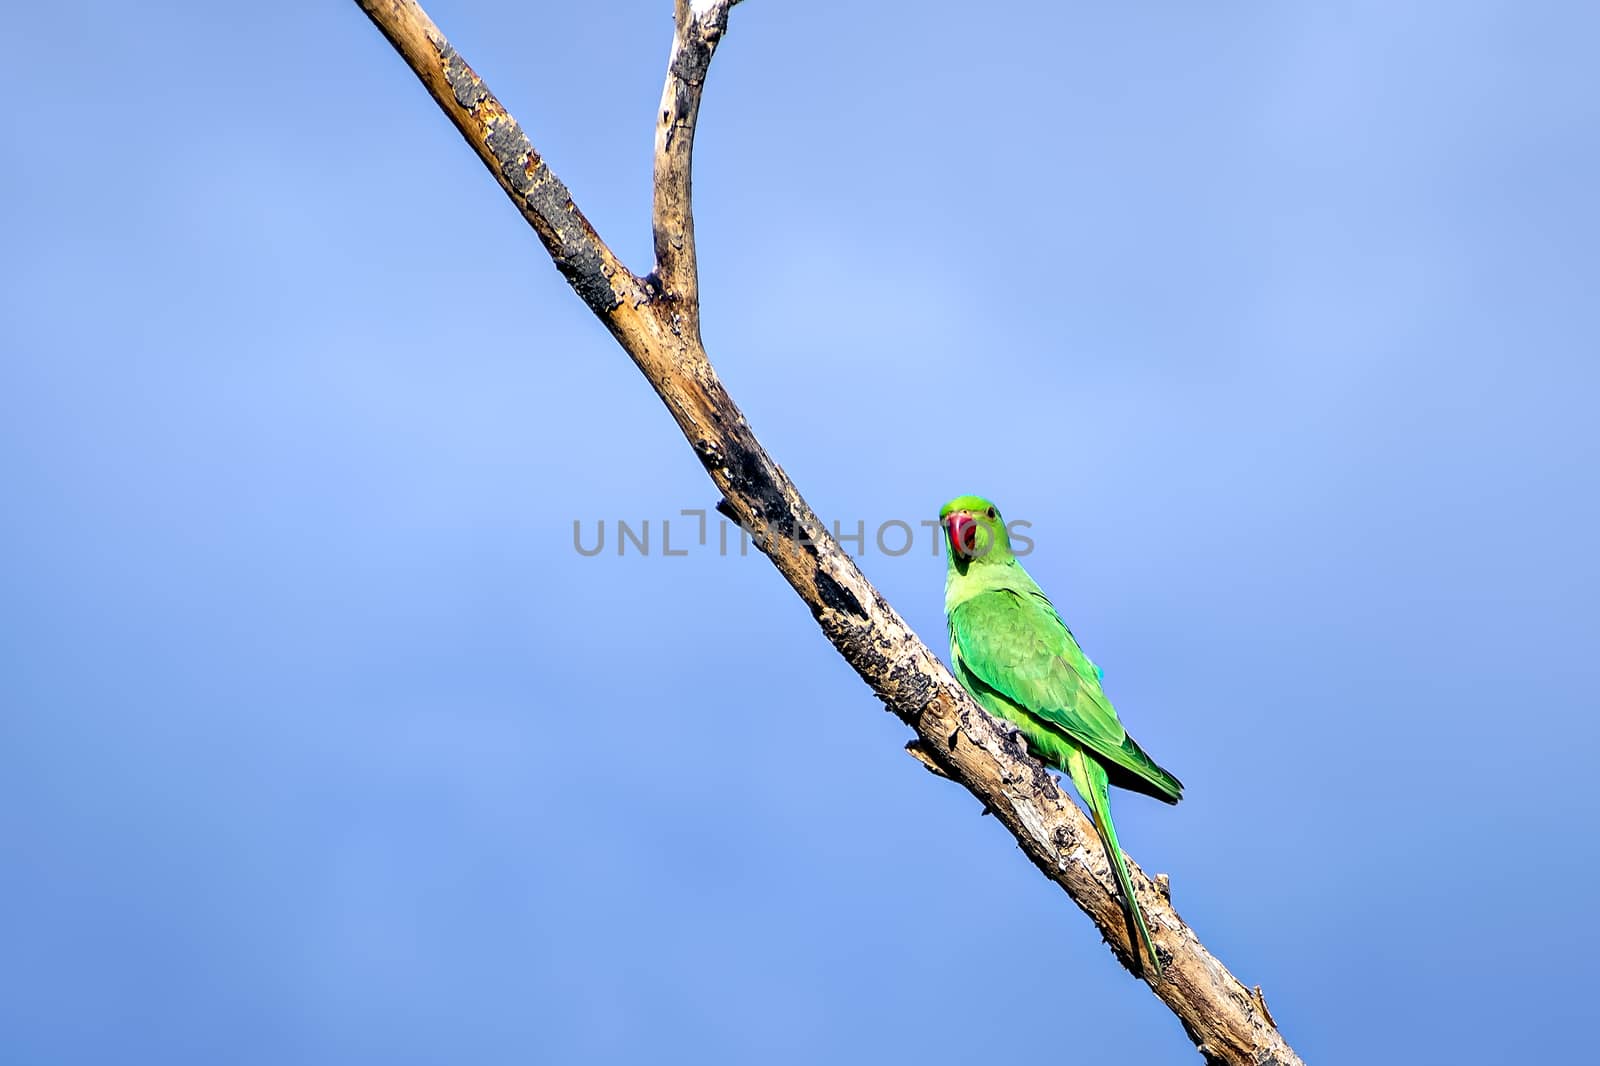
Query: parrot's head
<point>974,532</point>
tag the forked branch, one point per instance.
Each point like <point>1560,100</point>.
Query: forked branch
<point>656,321</point>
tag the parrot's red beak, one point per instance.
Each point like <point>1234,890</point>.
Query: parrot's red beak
<point>962,529</point>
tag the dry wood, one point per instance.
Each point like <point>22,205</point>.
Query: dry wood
<point>656,321</point>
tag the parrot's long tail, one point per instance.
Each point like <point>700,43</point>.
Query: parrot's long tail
<point>1090,779</point>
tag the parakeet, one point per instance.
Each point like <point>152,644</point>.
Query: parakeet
<point>1011,650</point>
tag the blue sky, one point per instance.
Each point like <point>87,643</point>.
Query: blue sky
<point>321,744</point>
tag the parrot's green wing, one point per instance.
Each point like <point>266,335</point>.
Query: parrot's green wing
<point>1017,648</point>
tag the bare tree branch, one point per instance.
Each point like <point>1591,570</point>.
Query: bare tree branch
<point>657,324</point>
<point>699,27</point>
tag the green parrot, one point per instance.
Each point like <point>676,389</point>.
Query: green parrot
<point>1014,654</point>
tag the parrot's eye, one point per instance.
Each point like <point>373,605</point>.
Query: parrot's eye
<point>990,512</point>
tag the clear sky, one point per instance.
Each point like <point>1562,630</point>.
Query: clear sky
<point>321,744</point>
